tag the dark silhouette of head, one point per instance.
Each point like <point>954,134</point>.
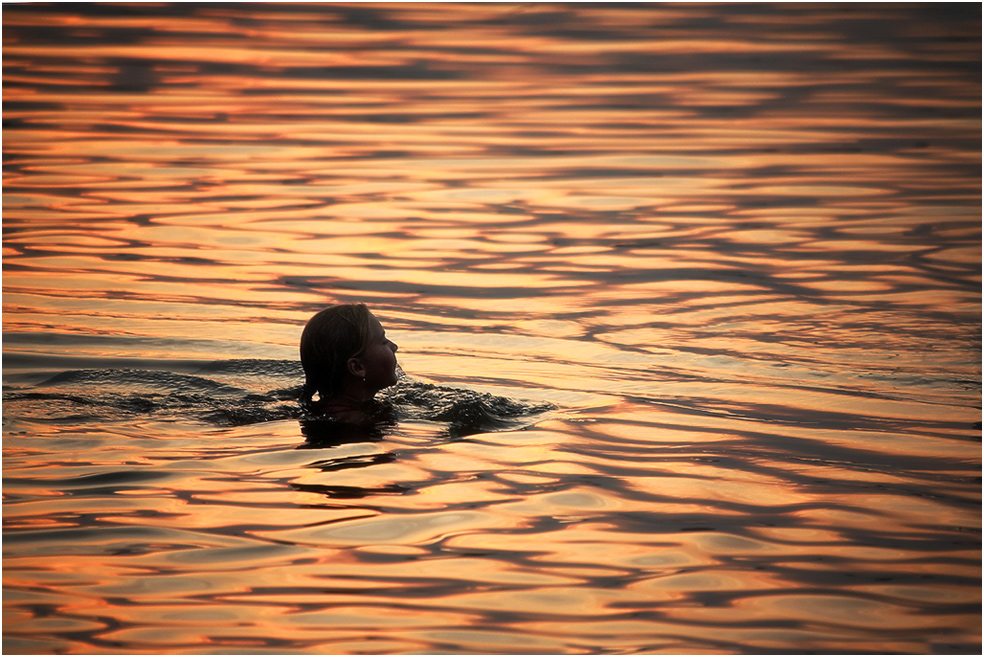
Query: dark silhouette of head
<point>345,353</point>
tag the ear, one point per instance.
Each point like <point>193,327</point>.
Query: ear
<point>356,368</point>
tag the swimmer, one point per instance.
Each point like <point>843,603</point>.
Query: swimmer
<point>347,359</point>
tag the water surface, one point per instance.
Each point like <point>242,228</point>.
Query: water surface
<point>688,300</point>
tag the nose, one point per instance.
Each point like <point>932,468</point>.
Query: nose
<point>393,346</point>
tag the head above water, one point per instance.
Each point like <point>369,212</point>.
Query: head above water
<point>346,355</point>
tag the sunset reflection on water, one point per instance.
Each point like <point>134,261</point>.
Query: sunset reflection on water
<point>724,259</point>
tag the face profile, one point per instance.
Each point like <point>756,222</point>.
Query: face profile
<point>377,363</point>
<point>347,359</point>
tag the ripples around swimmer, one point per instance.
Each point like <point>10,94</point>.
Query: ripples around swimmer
<point>242,392</point>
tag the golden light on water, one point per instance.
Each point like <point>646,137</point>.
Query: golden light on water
<point>736,248</point>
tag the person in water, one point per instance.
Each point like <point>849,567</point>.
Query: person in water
<point>347,359</point>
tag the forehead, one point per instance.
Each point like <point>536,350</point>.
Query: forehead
<point>374,325</point>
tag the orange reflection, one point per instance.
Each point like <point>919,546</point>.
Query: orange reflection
<point>742,263</point>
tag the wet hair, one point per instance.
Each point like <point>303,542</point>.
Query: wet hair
<point>329,340</point>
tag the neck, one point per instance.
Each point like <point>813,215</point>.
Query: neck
<point>354,394</point>
<point>348,407</point>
